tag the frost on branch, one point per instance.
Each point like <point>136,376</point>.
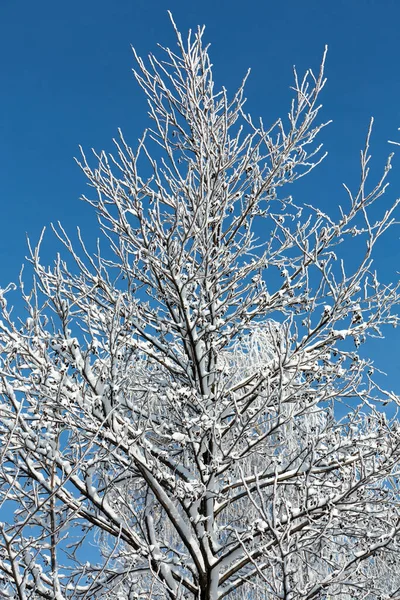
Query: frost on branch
<point>189,416</point>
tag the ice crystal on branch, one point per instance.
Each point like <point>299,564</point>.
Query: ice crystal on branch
<point>175,401</point>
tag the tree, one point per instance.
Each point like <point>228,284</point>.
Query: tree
<point>176,420</point>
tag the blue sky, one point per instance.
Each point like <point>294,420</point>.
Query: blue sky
<point>66,80</point>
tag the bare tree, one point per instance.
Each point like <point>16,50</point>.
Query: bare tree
<point>186,414</point>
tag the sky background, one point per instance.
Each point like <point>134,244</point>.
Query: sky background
<point>66,80</point>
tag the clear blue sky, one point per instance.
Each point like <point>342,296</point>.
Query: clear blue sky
<point>66,80</point>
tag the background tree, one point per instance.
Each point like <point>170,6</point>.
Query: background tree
<point>174,402</point>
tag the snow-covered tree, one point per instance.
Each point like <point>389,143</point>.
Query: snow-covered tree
<point>185,414</point>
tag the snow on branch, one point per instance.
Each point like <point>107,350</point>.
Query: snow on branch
<point>187,414</point>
